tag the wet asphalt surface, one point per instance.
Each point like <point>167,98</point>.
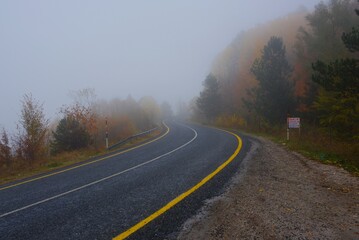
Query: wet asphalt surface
<point>103,199</point>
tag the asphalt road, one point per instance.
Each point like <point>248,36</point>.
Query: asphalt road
<point>103,199</point>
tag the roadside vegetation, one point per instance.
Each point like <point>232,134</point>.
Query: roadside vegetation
<point>39,145</point>
<point>303,65</point>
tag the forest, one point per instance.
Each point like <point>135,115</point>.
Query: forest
<point>302,65</point>
<point>79,132</point>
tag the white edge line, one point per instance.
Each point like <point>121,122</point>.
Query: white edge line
<point>102,179</point>
<point>83,164</point>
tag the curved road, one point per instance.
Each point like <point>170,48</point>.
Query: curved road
<point>108,197</point>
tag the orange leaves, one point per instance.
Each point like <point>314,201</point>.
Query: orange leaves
<point>30,142</point>
<point>232,67</point>
<point>82,114</point>
<point>119,127</point>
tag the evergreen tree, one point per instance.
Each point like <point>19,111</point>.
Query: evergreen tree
<point>274,97</point>
<point>321,39</point>
<point>338,102</point>
<point>351,39</point>
<point>69,135</point>
<point>5,150</point>
<point>209,101</point>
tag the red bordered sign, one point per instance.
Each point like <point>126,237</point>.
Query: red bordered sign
<point>293,122</point>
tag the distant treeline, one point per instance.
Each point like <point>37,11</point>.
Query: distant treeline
<point>304,65</point>
<point>83,125</point>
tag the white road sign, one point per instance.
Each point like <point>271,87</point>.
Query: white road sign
<point>294,122</point>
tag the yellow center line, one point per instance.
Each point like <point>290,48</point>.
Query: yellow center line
<point>88,163</point>
<point>178,199</point>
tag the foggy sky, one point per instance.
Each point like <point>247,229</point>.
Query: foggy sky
<point>160,48</point>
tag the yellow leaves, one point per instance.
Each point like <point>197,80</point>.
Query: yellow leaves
<point>231,121</point>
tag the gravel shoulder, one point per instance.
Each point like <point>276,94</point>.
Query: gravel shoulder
<point>279,194</point>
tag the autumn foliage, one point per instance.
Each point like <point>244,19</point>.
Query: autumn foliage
<point>316,79</point>
<point>307,37</point>
<point>31,139</point>
<point>82,127</point>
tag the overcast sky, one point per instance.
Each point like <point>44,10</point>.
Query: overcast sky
<point>160,48</point>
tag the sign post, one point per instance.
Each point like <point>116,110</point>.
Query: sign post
<point>287,133</point>
<point>292,122</point>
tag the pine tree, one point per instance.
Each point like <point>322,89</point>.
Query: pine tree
<point>209,101</point>
<point>69,135</point>
<point>273,98</point>
<point>5,150</point>
<point>338,103</point>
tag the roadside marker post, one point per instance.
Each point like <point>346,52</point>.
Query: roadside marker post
<point>106,134</point>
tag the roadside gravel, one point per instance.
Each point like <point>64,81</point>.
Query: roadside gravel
<point>279,194</point>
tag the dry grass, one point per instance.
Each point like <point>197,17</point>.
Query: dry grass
<point>318,145</point>
<point>312,142</point>
<point>20,170</point>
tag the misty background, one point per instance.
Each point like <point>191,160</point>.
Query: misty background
<point>159,48</point>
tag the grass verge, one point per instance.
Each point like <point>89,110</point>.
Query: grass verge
<point>317,145</point>
<point>328,151</point>
<point>18,171</point>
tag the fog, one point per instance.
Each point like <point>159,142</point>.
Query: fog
<point>163,49</point>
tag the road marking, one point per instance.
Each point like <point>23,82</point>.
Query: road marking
<point>88,163</point>
<point>178,199</point>
<point>102,179</point>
